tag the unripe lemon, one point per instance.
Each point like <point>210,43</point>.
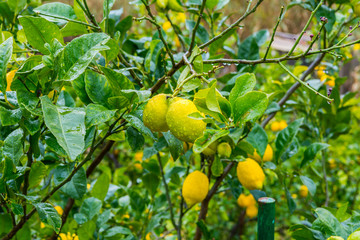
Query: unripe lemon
<point>181,126</point>
<point>250,174</point>
<point>268,155</point>
<point>282,125</point>
<point>275,126</point>
<point>59,210</point>
<point>211,149</point>
<point>161,3</point>
<point>154,115</point>
<point>354,236</point>
<point>252,211</point>
<point>335,238</point>
<point>303,192</point>
<point>245,201</point>
<point>357,9</point>
<point>224,149</point>
<point>195,188</point>
<point>175,6</point>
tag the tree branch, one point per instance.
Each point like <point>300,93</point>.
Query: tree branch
<point>193,34</point>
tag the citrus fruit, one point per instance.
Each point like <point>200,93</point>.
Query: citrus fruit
<point>252,211</point>
<point>224,149</point>
<point>250,174</point>
<point>195,187</point>
<point>211,149</point>
<point>162,3</point>
<point>175,6</point>
<point>335,238</point>
<point>282,125</point>
<point>354,236</point>
<point>181,126</point>
<point>275,126</point>
<point>303,192</point>
<point>245,201</point>
<point>59,210</point>
<point>154,115</point>
<point>268,155</point>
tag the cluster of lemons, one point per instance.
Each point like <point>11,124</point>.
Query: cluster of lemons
<point>248,202</point>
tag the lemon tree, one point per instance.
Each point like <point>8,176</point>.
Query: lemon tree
<point>169,119</point>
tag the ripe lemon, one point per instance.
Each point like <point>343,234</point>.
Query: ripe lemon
<point>303,192</point>
<point>181,126</point>
<point>275,126</point>
<point>282,125</point>
<point>245,201</point>
<point>195,188</point>
<point>250,174</point>
<point>224,149</point>
<point>268,155</point>
<point>332,163</point>
<point>211,149</point>
<point>354,236</point>
<point>59,210</point>
<point>252,211</point>
<point>154,115</point>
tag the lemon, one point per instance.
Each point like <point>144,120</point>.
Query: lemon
<point>252,211</point>
<point>154,115</point>
<point>275,126</point>
<point>224,149</point>
<point>162,3</point>
<point>250,174</point>
<point>245,201</point>
<point>332,163</point>
<point>357,9</point>
<point>187,146</point>
<point>303,192</point>
<point>354,236</point>
<point>294,196</point>
<point>335,238</point>
<point>42,225</point>
<point>268,155</point>
<point>282,125</point>
<point>211,149</point>
<point>195,188</point>
<point>166,26</point>
<point>175,6</point>
<point>181,126</point>
<point>138,156</point>
<point>59,210</point>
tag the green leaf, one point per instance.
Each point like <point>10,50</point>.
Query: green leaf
<point>309,183</point>
<point>73,29</point>
<point>116,232</point>
<point>175,145</point>
<point>97,114</point>
<point>201,32</point>
<point>16,5</point>
<point>311,151</point>
<point>98,88</point>
<point>135,139</point>
<point>210,136</point>
<point>285,137</point>
<point>86,231</point>
<point>258,139</point>
<point>39,31</point>
<point>101,187</point>
<point>290,201</point>
<point>90,207</point>
<point>80,89</point>
<point>13,146</point>
<point>56,9</point>
<point>37,173</point>
<point>217,167</point>
<point>249,107</point>
<point>329,223</point>
<point>243,84</point>
<point>17,209</point>
<point>151,182</point>
<point>6,225</point>
<point>10,117</point>
<point>211,100</point>
<point>118,81</point>
<point>48,215</point>
<point>76,187</point>
<point>80,52</point>
<point>201,224</point>
<point>67,125</point>
<point>139,125</point>
<point>6,49</point>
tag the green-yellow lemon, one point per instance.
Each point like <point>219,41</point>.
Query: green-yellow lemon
<point>154,115</point>
<point>224,149</point>
<point>250,174</point>
<point>195,188</point>
<point>303,191</point>
<point>162,3</point>
<point>175,6</point>
<point>335,238</point>
<point>268,155</point>
<point>181,126</point>
<point>357,9</point>
<point>354,236</point>
<point>211,149</point>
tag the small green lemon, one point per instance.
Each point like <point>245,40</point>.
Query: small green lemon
<point>354,236</point>
<point>175,6</point>
<point>154,115</point>
<point>181,126</point>
<point>195,188</point>
<point>335,238</point>
<point>224,149</point>
<point>250,174</point>
<point>162,3</point>
<point>211,149</point>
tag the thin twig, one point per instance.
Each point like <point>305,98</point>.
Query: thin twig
<point>3,203</point>
<point>69,20</point>
<point>193,34</point>
<point>274,32</point>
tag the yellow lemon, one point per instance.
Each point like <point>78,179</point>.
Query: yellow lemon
<point>154,115</point>
<point>332,163</point>
<point>138,156</point>
<point>294,196</point>
<point>195,188</point>
<point>177,42</point>
<point>181,17</point>
<point>275,126</point>
<point>224,149</point>
<point>252,211</point>
<point>181,126</point>
<point>59,210</point>
<point>88,186</point>
<point>357,47</point>
<point>331,82</point>
<point>303,192</point>
<point>42,225</point>
<point>335,238</point>
<point>250,174</point>
<point>138,167</point>
<point>245,201</point>
<point>211,149</point>
<point>282,125</point>
<point>166,26</point>
<point>268,155</point>
<point>354,236</point>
